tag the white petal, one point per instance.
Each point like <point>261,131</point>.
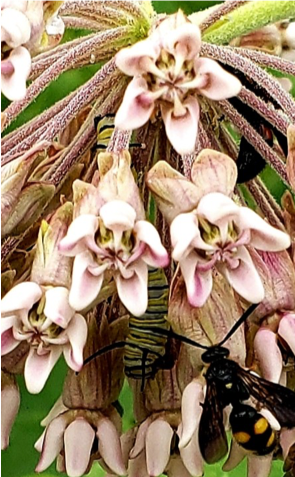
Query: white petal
<point>236,455</point>
<point>80,236</point>
<point>155,255</point>
<point>192,457</point>
<point>259,466</point>
<point>13,85</point>
<point>220,84</point>
<point>158,442</point>
<point>132,60</point>
<point>183,230</point>
<point>57,307</point>
<point>53,443</point>
<point>191,410</point>
<point>287,330</point>
<point>268,354</point>
<point>109,446</point>
<point>140,438</point>
<point>118,215</point>
<point>21,297</point>
<point>38,368</point>
<point>198,284</point>
<point>15,27</point>
<point>226,210</point>
<point>133,291</point>
<point>10,402</point>
<point>78,440</point>
<point>77,334</point>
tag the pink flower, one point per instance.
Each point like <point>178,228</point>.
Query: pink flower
<point>70,437</point>
<point>267,350</point>
<point>169,74</point>
<point>43,317</point>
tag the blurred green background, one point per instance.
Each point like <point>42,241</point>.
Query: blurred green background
<point>20,459</point>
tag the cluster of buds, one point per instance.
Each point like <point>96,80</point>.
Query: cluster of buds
<point>81,227</point>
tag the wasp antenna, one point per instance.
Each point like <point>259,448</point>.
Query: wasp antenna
<point>238,323</point>
<point>172,334</point>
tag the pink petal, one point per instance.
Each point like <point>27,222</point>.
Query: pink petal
<point>182,130</point>
<point>183,230</point>
<point>158,442</point>
<point>192,457</point>
<point>137,467</point>
<point>155,255</point>
<point>10,402</point>
<point>268,354</point>
<point>133,291</point>
<point>80,236</point>
<point>77,334</point>
<point>53,443</point>
<point>219,83</point>
<point>21,296</point>
<point>259,466</point>
<point>191,410</point>
<point>87,279</point>
<point>226,210</point>
<point>287,439</point>
<point>78,440</point>
<point>236,455</point>
<point>198,284</point>
<point>57,307</point>
<point>140,438</point>
<point>263,235</point>
<point>8,342</point>
<point>109,446</point>
<point>118,215</point>
<point>185,40</point>
<point>137,106</point>
<point>57,408</point>
<point>15,27</point>
<point>38,368</point>
<point>177,469</point>
<point>13,86</point>
<point>245,279</point>
<point>134,60</point>
<point>287,330</point>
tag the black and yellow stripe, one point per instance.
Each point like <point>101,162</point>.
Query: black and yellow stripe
<point>104,126</point>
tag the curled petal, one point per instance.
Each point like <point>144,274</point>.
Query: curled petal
<point>155,254</point>
<point>137,106</point>
<point>236,455</point>
<point>191,411</point>
<point>109,446</point>
<point>10,401</point>
<point>245,278</point>
<point>134,60</point>
<point>133,291</point>
<point>226,210</point>
<point>184,41</point>
<point>192,457</point>
<point>13,84</point>
<point>77,334</point>
<point>38,368</point>
<point>53,443</point>
<point>259,466</point>
<point>8,341</point>
<point>118,215</point>
<point>57,307</point>
<point>78,440</point>
<point>158,442</point>
<point>183,230</point>
<point>87,279</point>
<point>198,284</point>
<point>80,236</point>
<point>15,27</point>
<point>268,354</point>
<point>140,439</point>
<point>21,297</point>
<point>182,130</point>
<point>287,330</point>
<point>219,83</point>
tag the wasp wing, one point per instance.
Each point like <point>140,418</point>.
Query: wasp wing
<point>280,401</point>
<point>212,437</point>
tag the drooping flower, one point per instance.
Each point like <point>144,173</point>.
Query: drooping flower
<point>208,229</point>
<point>168,73</point>
<point>109,233</point>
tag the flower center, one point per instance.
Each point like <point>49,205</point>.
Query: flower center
<point>117,246</point>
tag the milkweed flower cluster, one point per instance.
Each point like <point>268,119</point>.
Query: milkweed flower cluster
<point>160,159</point>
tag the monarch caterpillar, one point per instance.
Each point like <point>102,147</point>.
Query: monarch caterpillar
<point>145,345</point>
<point>104,126</point>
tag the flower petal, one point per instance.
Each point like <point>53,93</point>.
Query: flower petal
<point>191,410</point>
<point>226,210</point>
<point>236,455</point>
<point>134,60</point>
<point>133,291</point>
<point>259,466</point>
<point>77,334</point>
<point>287,330</point>
<point>53,443</point>
<point>263,235</point>
<point>57,307</point>
<point>182,130</point>
<point>192,457</point>
<point>198,284</point>
<point>220,84</point>
<point>109,446</point>
<point>13,84</point>
<point>87,278</point>
<point>140,438</point>
<point>287,439</point>
<point>158,442</point>
<point>176,468</point>
<point>78,439</point>
<point>268,354</point>
<point>15,27</point>
<point>136,107</point>
<point>38,368</point>
<point>183,230</point>
<point>245,279</point>
<point>155,255</point>
<point>8,341</point>
<point>21,296</point>
<point>118,215</point>
<point>80,236</point>
<point>137,466</point>
<point>10,402</point>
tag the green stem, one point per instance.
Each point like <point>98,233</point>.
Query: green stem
<point>250,16</point>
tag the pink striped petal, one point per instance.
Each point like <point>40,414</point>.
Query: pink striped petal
<point>133,291</point>
<point>80,236</point>
<point>268,354</point>
<point>155,254</point>
<point>78,440</point>
<point>21,297</point>
<point>109,446</point>
<point>57,307</point>
<point>77,334</point>
<point>219,83</point>
<point>182,130</point>
<point>53,443</point>
<point>38,368</point>
<point>198,284</point>
<point>191,411</point>
<point>287,330</point>
<point>158,443</point>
